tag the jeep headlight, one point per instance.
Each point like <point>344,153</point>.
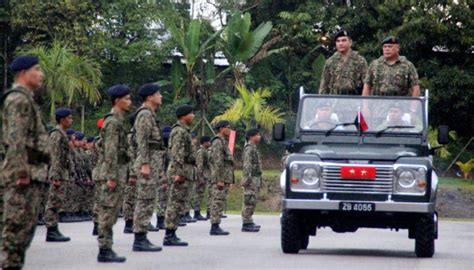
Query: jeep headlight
<point>305,177</point>
<point>410,180</point>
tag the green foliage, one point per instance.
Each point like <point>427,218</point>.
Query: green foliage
<point>433,140</point>
<point>466,167</point>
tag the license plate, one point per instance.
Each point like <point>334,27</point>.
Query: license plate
<point>356,207</point>
<point>358,173</point>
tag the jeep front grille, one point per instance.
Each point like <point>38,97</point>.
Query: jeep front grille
<point>332,181</point>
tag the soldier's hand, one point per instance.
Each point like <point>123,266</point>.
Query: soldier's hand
<point>132,180</point>
<point>111,184</point>
<point>178,178</point>
<point>220,184</point>
<point>23,181</point>
<point>56,184</point>
<point>145,170</point>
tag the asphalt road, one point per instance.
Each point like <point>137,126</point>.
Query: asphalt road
<point>365,249</point>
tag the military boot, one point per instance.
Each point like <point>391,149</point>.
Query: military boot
<point>160,222</point>
<point>223,216</point>
<point>142,243</point>
<point>217,230</point>
<point>188,218</point>
<point>256,225</point>
<point>198,216</point>
<point>249,227</point>
<point>128,226</point>
<point>108,255</point>
<point>54,235</point>
<point>172,240</point>
<point>208,214</point>
<point>95,230</point>
<point>40,221</point>
<point>152,228</point>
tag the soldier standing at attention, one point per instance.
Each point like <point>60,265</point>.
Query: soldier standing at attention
<point>251,179</point>
<point>24,170</point>
<point>130,192</point>
<point>96,177</point>
<point>180,171</point>
<point>203,173</point>
<point>150,162</point>
<point>222,174</point>
<point>114,170</point>
<point>186,218</point>
<point>58,174</point>
<point>344,71</point>
<point>163,185</point>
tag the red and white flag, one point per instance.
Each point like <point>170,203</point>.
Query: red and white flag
<point>360,122</point>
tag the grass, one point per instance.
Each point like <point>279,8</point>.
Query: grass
<point>451,182</point>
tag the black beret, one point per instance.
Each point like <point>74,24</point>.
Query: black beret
<point>118,91</point>
<point>222,123</point>
<point>341,33</point>
<point>70,131</point>
<point>390,40</point>
<point>148,90</point>
<point>90,139</point>
<point>23,62</point>
<point>193,134</point>
<point>79,135</point>
<point>251,132</point>
<point>183,110</point>
<point>62,112</point>
<point>166,130</point>
<point>205,139</point>
<point>131,118</point>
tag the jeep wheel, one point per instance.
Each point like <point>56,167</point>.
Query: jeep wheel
<point>291,239</point>
<point>304,242</point>
<point>425,235</point>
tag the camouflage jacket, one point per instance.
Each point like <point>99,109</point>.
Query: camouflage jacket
<point>59,169</point>
<point>222,162</point>
<point>80,174</point>
<point>98,156</point>
<point>115,146</point>
<point>25,137</point>
<point>202,164</point>
<point>343,75</point>
<point>181,152</point>
<point>391,80</point>
<point>148,135</point>
<point>132,153</point>
<point>252,166</point>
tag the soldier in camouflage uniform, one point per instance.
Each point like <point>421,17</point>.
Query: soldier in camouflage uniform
<point>90,161</point>
<point>150,163</point>
<point>164,183</point>
<point>186,217</point>
<point>344,71</point>
<point>24,170</point>
<point>58,174</point>
<point>80,181</point>
<point>180,172</point>
<point>130,192</point>
<point>113,171</point>
<point>96,177</point>
<point>222,175</point>
<point>251,179</point>
<point>203,173</point>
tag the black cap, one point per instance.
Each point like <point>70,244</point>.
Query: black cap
<point>23,62</point>
<point>390,40</point>
<point>62,113</point>
<point>183,110</point>
<point>221,124</point>
<point>118,91</point>
<point>148,90</point>
<point>79,135</point>
<point>341,33</point>
<point>193,134</point>
<point>90,139</point>
<point>70,131</point>
<point>251,132</point>
<point>204,139</point>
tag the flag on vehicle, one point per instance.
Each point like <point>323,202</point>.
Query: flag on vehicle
<point>360,122</point>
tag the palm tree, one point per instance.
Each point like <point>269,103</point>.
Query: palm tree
<point>68,78</point>
<point>251,108</point>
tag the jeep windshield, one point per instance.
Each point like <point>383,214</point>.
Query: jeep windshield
<point>380,115</point>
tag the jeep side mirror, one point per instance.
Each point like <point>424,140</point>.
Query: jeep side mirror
<point>443,134</point>
<point>278,132</point>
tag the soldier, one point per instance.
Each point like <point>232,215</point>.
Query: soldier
<point>179,171</point>
<point>24,170</point>
<point>58,174</point>
<point>113,171</point>
<point>251,179</point>
<point>344,71</point>
<point>150,163</point>
<point>130,192</point>
<point>203,173</point>
<point>96,177</point>
<point>90,161</point>
<point>186,217</point>
<point>394,118</point>
<point>163,185</point>
<point>80,180</point>
<point>222,175</point>
<point>391,74</point>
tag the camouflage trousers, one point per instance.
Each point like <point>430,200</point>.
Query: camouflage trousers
<point>96,204</point>
<point>129,200</point>
<point>176,203</point>
<point>2,192</point>
<point>110,202</point>
<point>162,197</point>
<point>189,200</point>
<point>199,191</point>
<point>87,198</point>
<point>219,197</point>
<point>249,202</point>
<point>74,195</point>
<point>209,196</point>
<point>21,207</point>
<point>54,206</point>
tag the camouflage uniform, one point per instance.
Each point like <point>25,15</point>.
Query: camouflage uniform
<point>203,173</point>
<point>343,75</point>
<point>222,169</point>
<point>150,150</point>
<point>163,188</point>
<point>89,201</point>
<point>78,183</point>
<point>192,186</point>
<point>96,177</point>
<point>181,163</point>
<point>114,167</point>
<point>27,156</point>
<point>130,192</point>
<point>59,170</point>
<point>251,181</point>
<point>391,80</point>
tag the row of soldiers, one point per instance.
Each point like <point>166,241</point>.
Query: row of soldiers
<point>133,170</point>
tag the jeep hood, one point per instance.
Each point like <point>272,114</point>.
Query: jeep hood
<point>366,152</point>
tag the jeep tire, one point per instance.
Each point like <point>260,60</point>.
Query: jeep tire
<point>425,235</point>
<point>291,237</point>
